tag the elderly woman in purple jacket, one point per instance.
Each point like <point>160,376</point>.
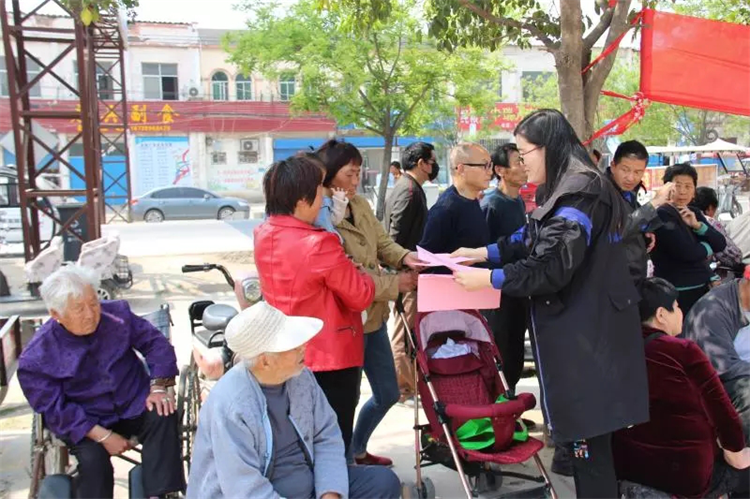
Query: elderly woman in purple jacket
<point>81,372</point>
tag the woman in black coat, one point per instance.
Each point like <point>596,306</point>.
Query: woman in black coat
<point>569,260</point>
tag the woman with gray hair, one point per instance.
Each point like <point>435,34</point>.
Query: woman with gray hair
<point>80,371</point>
<point>267,430</point>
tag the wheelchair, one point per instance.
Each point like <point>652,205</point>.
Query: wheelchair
<point>208,320</point>
<point>52,473</point>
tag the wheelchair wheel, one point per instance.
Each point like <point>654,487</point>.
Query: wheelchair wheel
<point>49,456</point>
<point>188,406</point>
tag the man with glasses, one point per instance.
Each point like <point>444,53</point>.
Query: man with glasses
<point>456,220</point>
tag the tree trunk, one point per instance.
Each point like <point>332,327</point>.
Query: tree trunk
<point>579,94</point>
<point>568,61</point>
<point>385,168</point>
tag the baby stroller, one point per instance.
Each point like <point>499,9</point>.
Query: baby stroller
<point>459,379</point>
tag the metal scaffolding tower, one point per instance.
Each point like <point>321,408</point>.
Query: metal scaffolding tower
<point>99,55</point>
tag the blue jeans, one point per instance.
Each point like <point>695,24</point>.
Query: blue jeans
<point>373,482</point>
<point>381,373</point>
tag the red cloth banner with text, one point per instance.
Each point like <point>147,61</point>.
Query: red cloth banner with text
<point>692,62</point>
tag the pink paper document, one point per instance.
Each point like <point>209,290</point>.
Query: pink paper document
<point>443,260</point>
<point>441,292</point>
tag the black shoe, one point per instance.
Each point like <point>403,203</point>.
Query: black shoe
<point>562,462</point>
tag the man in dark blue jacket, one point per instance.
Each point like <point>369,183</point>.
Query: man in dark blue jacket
<point>505,213</point>
<point>456,220</point>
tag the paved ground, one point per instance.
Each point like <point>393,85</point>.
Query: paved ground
<point>157,280</point>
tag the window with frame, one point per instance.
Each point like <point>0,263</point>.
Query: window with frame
<point>247,157</point>
<point>220,86</point>
<point>244,87</point>
<point>105,83</point>
<point>32,70</point>
<point>531,80</point>
<point>218,158</point>
<point>9,195</point>
<point>160,81</point>
<point>287,87</point>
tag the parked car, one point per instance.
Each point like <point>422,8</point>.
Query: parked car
<point>186,203</point>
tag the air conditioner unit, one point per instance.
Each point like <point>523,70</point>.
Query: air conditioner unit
<point>249,145</point>
<point>194,93</point>
<point>209,141</point>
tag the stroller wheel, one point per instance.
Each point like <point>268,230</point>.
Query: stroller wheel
<point>488,481</point>
<point>410,490</point>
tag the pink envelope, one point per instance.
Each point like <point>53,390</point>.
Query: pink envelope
<point>441,292</point>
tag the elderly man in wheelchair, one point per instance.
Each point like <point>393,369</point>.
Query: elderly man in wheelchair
<point>81,372</point>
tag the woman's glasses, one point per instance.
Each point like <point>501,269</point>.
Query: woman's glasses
<point>522,154</point>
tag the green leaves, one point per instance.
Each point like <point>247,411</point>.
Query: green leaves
<point>89,11</point>
<point>390,78</point>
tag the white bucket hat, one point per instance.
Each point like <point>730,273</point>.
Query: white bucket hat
<point>264,329</point>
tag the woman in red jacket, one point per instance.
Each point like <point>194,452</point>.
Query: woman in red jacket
<point>304,272</point>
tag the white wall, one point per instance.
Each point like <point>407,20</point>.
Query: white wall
<point>234,176</point>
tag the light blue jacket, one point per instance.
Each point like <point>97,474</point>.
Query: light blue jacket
<point>325,217</point>
<point>234,441</point>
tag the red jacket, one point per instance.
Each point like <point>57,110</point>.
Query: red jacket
<point>675,451</point>
<point>304,271</point>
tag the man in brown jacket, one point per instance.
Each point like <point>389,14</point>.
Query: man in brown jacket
<point>405,218</point>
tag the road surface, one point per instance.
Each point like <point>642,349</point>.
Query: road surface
<point>184,238</point>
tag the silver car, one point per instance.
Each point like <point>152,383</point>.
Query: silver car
<point>186,203</point>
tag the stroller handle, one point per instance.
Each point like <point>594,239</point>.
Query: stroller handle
<point>400,304</point>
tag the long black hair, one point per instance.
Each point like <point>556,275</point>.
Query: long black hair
<point>563,153</point>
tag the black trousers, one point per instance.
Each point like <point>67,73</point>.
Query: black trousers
<point>342,391</point>
<point>687,298</point>
<point>508,324</point>
<point>594,468</point>
<point>160,454</point>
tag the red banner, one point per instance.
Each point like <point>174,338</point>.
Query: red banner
<point>163,117</point>
<point>695,62</point>
<point>508,116</point>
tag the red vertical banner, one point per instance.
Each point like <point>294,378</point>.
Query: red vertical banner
<point>693,62</point>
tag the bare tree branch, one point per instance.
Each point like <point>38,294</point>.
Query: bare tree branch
<point>367,101</point>
<point>398,56</point>
<point>511,23</point>
<point>402,117</point>
<point>604,21</point>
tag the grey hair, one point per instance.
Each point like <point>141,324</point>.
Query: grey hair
<point>253,361</point>
<point>65,283</point>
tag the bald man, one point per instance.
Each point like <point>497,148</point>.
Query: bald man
<point>456,220</point>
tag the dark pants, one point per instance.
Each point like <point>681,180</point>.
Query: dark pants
<point>342,391</point>
<point>594,475</point>
<point>738,390</point>
<point>160,454</point>
<point>687,298</point>
<point>373,482</point>
<point>508,324</point>
<point>728,480</point>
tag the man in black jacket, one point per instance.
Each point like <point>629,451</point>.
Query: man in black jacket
<point>405,218</point>
<point>626,172</point>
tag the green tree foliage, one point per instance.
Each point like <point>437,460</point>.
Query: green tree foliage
<point>390,79</point>
<point>88,11</point>
<point>568,34</point>
<point>732,11</point>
